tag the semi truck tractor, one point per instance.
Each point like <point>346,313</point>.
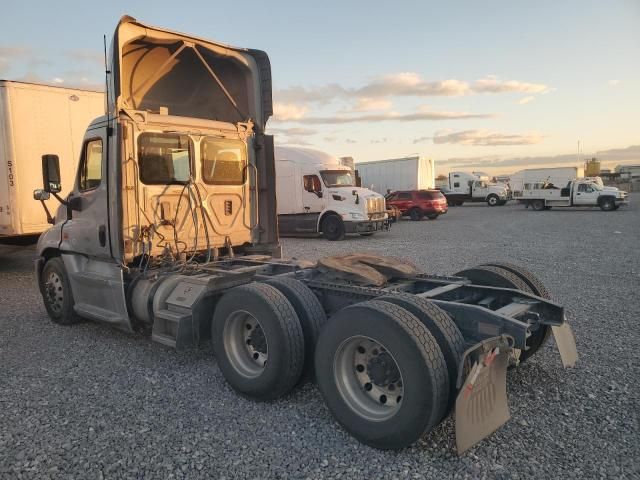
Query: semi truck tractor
<point>478,189</point>
<point>36,119</point>
<point>170,231</point>
<point>576,193</point>
<point>317,194</point>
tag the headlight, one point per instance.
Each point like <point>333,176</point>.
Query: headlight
<point>356,216</point>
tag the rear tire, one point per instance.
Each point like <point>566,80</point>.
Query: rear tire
<point>537,205</point>
<point>381,374</point>
<point>505,276</point>
<point>416,214</point>
<point>258,341</point>
<point>310,314</point>
<point>56,293</point>
<point>443,329</point>
<point>333,227</point>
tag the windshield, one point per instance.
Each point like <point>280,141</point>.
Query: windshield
<point>337,178</point>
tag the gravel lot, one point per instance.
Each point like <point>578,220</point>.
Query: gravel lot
<point>91,402</point>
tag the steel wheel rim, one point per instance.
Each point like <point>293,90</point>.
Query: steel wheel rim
<point>54,291</point>
<point>368,378</point>
<point>245,344</point>
<point>493,200</point>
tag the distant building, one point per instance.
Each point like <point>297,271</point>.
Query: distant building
<point>631,172</point>
<point>591,167</point>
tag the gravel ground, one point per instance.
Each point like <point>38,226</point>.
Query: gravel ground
<point>91,402</point>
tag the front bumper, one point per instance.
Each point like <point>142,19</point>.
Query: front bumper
<point>366,226</point>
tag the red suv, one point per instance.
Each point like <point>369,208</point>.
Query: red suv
<point>418,203</point>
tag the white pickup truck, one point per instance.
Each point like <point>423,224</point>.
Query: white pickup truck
<point>577,193</point>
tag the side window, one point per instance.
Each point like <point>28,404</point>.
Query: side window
<point>90,174</point>
<point>582,187</point>
<point>311,183</point>
<point>391,197</point>
<point>404,196</point>
<point>456,185</point>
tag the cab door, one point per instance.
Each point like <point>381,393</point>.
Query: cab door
<point>313,200</point>
<point>586,195</point>
<point>86,232</point>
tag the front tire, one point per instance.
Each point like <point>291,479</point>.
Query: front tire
<point>333,228</point>
<point>57,294</point>
<point>607,204</point>
<point>433,216</point>
<point>381,374</point>
<point>258,341</point>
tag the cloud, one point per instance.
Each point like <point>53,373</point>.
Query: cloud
<point>403,84</point>
<point>421,115</point>
<point>484,138</point>
<point>380,140</point>
<point>614,83</point>
<point>294,131</point>
<point>288,111</point>
<point>367,104</point>
<point>11,54</point>
<point>350,140</point>
<point>421,140</point>
<point>525,100</point>
<point>85,56</point>
<point>492,84</point>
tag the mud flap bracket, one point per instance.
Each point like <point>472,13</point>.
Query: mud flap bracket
<point>482,406</point>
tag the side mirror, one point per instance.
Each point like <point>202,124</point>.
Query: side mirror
<point>51,174</point>
<point>41,195</point>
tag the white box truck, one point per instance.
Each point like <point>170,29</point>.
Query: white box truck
<point>409,173</point>
<point>317,193</point>
<point>34,120</point>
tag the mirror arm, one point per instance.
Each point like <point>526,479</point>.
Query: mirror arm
<point>60,199</point>
<point>50,219</point>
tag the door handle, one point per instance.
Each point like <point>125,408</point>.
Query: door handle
<point>102,235</point>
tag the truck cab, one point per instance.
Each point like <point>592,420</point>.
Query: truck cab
<point>164,172</point>
<point>478,189</point>
<point>318,194</point>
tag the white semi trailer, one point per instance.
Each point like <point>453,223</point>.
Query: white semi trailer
<point>36,119</point>
<point>409,173</point>
<point>171,229</point>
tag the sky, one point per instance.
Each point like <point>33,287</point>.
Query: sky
<point>493,85</point>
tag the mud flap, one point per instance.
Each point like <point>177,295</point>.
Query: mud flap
<point>482,406</point>
<point>566,343</point>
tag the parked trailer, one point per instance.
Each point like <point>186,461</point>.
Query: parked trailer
<point>171,230</point>
<point>36,119</point>
<point>577,193</point>
<point>409,173</point>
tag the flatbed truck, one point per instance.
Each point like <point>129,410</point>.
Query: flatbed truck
<point>576,193</point>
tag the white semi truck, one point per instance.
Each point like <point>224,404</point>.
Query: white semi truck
<point>576,193</point>
<point>170,230</point>
<point>474,188</point>
<point>385,176</point>
<point>317,193</point>
<point>36,119</point>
